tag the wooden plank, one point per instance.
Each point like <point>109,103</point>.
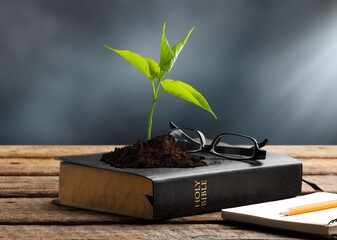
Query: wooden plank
<point>145,232</point>
<point>48,186</point>
<point>29,167</point>
<point>47,151</point>
<point>41,217</point>
<point>40,210</point>
<point>28,186</point>
<point>326,183</point>
<point>305,151</point>
<point>14,186</point>
<point>25,201</point>
<point>50,166</point>
<point>319,166</point>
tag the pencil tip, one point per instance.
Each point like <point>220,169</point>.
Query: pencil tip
<point>284,213</point>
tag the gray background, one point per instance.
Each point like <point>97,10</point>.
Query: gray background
<point>267,68</point>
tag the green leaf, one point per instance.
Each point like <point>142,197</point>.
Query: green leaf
<point>186,92</point>
<point>166,55</point>
<point>153,67</point>
<point>135,59</point>
<point>169,55</point>
<point>179,46</point>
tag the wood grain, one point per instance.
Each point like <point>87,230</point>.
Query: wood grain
<point>50,167</point>
<point>38,219</point>
<point>41,151</point>
<point>29,181</point>
<point>14,186</point>
<point>319,166</point>
<point>37,211</point>
<point>41,186</point>
<point>42,211</point>
<point>326,183</point>
<point>305,151</point>
<point>142,232</point>
<point>29,167</point>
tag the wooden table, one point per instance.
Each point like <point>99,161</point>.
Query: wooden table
<point>29,181</point>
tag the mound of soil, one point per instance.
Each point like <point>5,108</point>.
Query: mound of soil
<point>159,152</point>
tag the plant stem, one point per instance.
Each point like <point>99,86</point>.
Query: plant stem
<point>153,104</point>
<point>149,123</point>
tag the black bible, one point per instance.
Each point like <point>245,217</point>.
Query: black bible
<point>157,193</point>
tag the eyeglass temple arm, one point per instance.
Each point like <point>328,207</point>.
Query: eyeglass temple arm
<point>263,143</point>
<point>172,125</point>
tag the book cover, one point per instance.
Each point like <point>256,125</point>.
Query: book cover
<point>156,193</point>
<point>321,223</point>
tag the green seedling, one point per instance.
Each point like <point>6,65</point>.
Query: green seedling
<point>155,73</point>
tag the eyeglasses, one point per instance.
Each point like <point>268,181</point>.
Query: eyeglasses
<point>227,145</point>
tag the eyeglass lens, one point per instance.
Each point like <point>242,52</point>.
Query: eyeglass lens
<point>187,139</point>
<point>234,146</point>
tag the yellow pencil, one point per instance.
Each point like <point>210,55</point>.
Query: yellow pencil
<point>310,208</point>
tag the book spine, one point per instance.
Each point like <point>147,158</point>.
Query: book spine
<point>213,191</point>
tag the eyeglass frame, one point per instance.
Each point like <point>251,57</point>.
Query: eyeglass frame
<point>258,153</point>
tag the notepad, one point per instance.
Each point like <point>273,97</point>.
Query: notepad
<point>322,223</point>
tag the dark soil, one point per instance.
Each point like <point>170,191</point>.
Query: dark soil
<point>159,152</point>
